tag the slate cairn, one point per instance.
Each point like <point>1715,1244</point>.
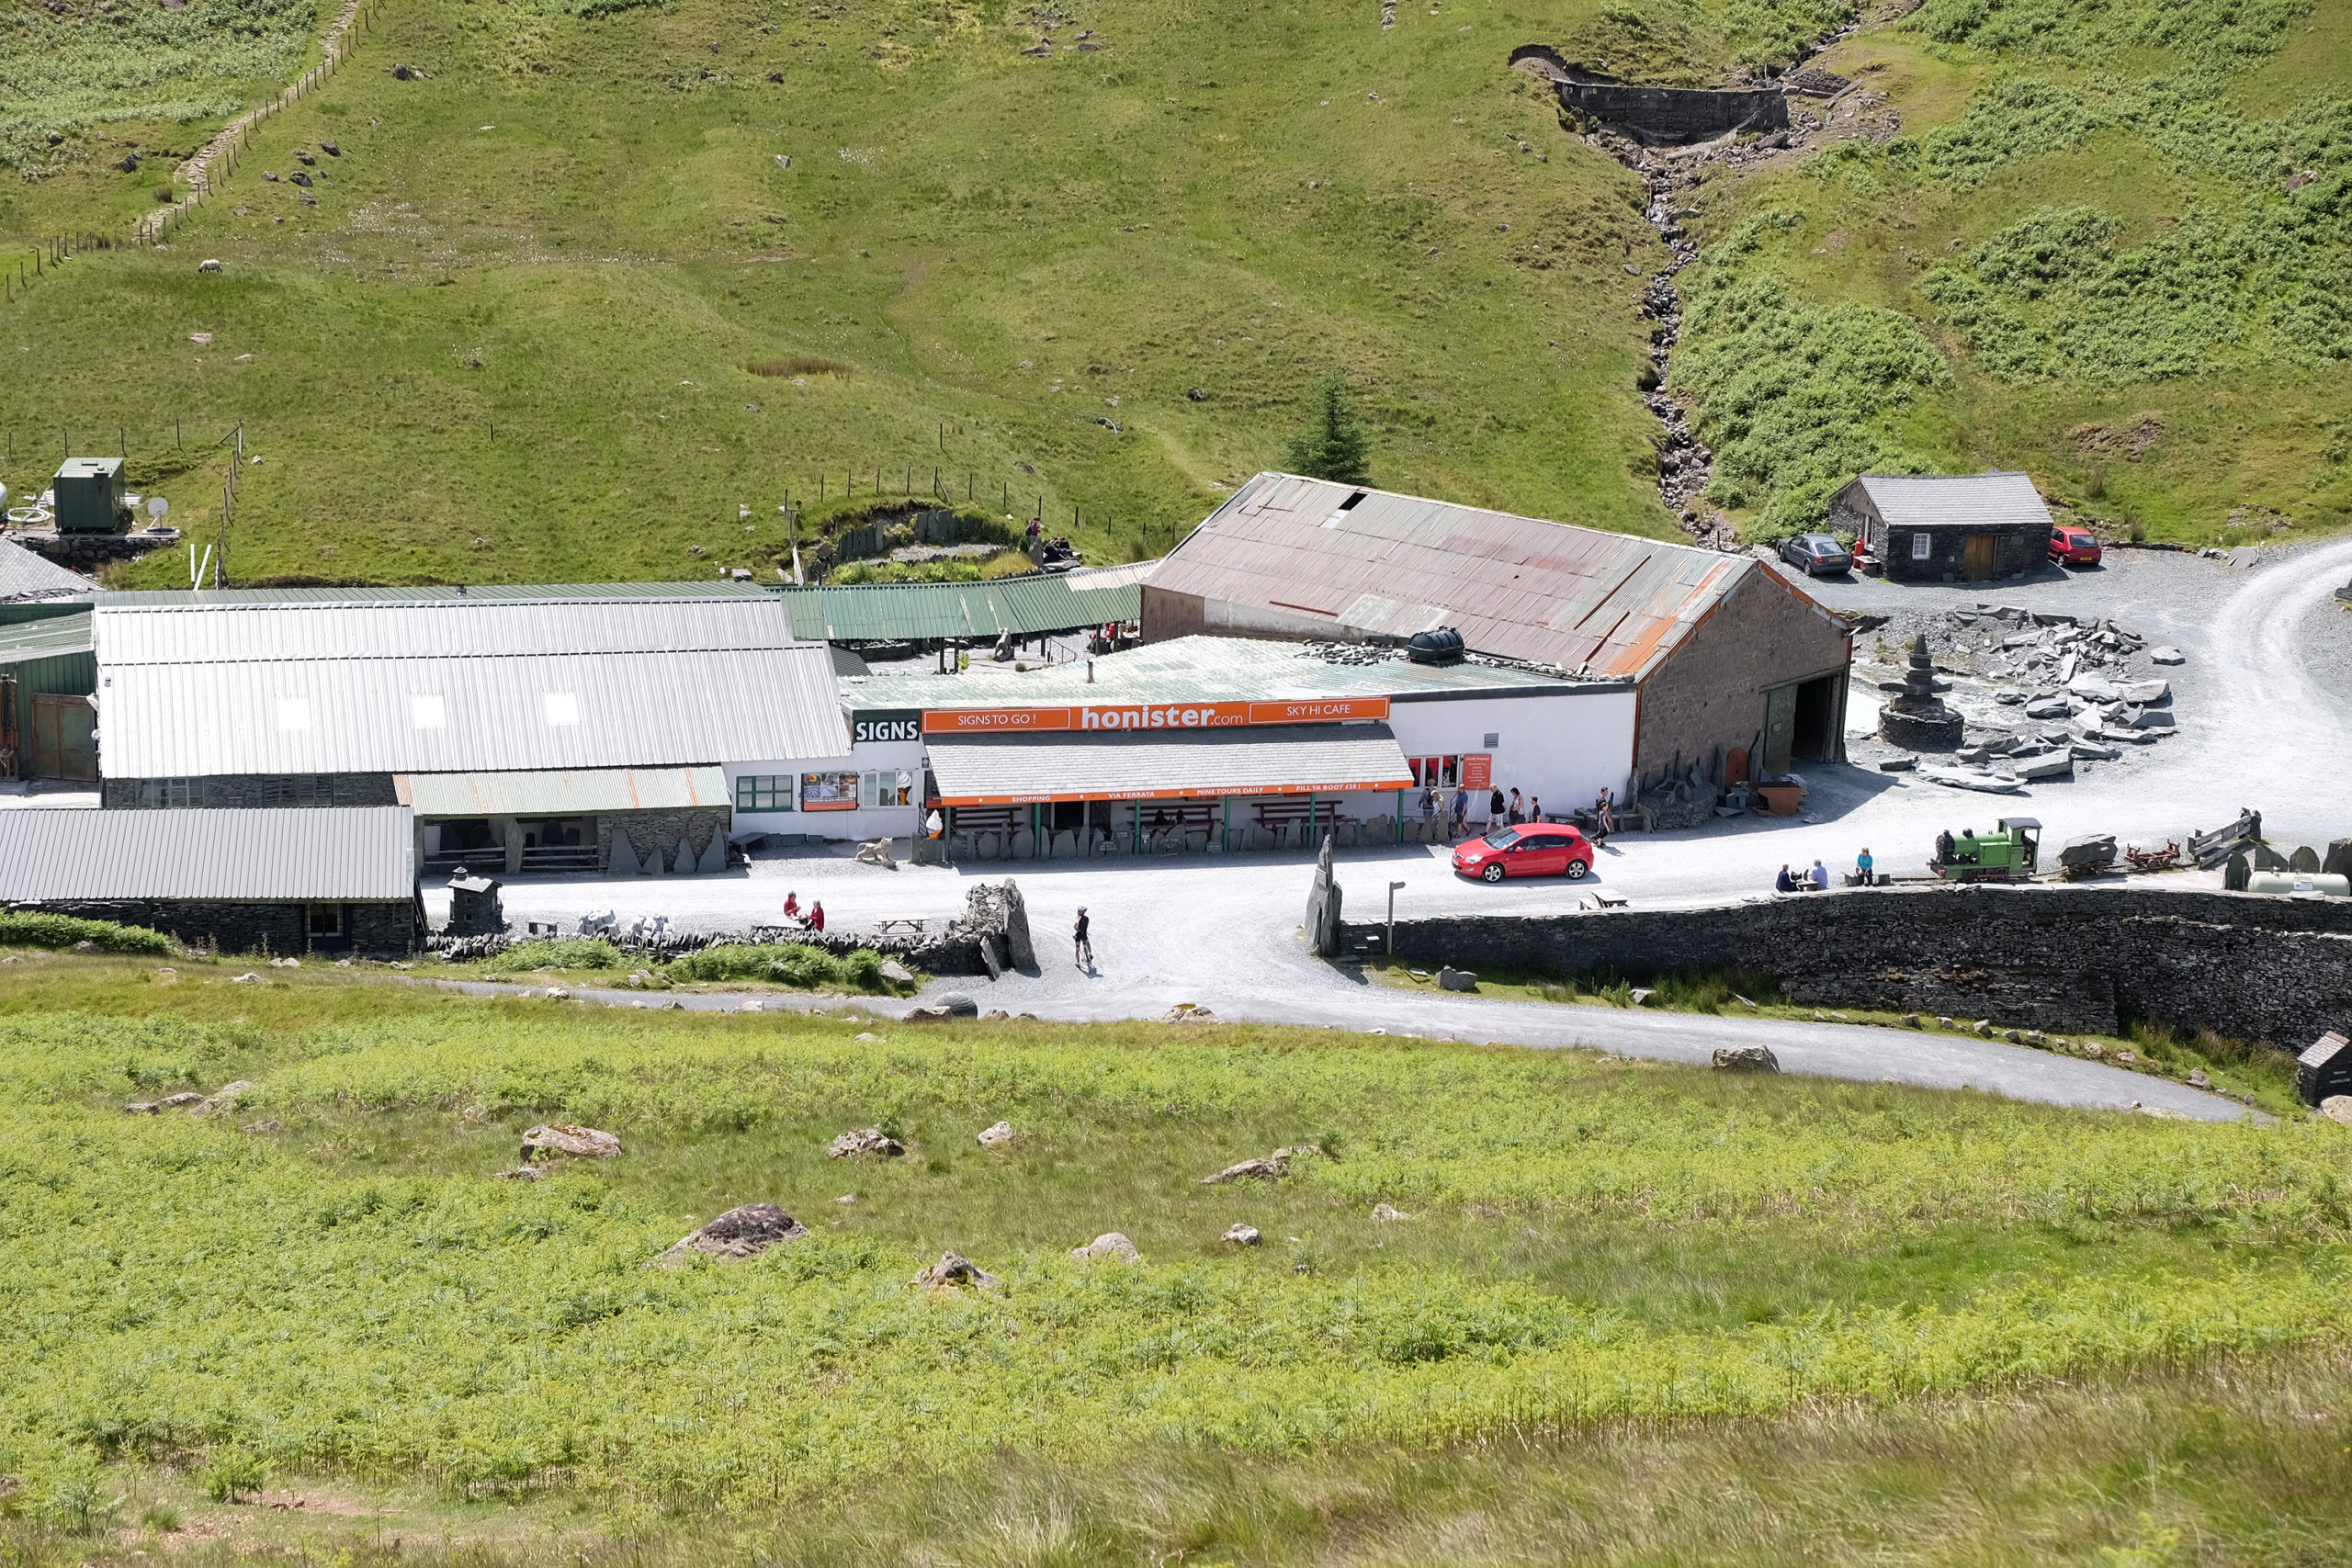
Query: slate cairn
<point>1919,720</point>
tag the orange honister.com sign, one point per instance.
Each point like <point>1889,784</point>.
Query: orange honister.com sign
<point>1108,717</point>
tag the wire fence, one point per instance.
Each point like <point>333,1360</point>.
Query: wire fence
<point>228,146</point>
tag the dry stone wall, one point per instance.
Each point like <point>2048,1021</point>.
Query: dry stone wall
<point>2072,959</point>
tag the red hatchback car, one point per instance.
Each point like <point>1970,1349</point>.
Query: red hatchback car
<point>2074,547</point>
<point>1533,849</point>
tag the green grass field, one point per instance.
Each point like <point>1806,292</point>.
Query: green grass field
<point>1815,1294</point>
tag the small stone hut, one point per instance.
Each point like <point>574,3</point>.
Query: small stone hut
<point>1946,527</point>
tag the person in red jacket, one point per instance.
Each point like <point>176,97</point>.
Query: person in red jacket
<point>816,914</point>
<point>792,906</point>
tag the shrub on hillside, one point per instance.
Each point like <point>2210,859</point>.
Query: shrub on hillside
<point>1796,398</point>
<point>797,965</point>
<point>543,954</point>
<point>31,928</point>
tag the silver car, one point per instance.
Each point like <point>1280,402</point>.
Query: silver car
<point>1816,553</point>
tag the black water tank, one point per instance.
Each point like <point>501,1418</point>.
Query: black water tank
<point>1443,646</point>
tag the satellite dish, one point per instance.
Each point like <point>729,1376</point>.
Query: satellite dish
<point>157,506</point>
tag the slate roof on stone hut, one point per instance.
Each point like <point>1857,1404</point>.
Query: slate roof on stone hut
<point>1954,501</point>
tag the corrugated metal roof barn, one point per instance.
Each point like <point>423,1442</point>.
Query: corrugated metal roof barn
<point>1373,562</point>
<point>61,856</point>
<point>1717,645</point>
<point>244,687</point>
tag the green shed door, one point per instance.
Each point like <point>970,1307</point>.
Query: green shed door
<point>64,740</point>
<point>1780,730</point>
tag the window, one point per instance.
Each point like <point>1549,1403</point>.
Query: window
<point>1436,773</point>
<point>829,792</point>
<point>155,793</point>
<point>324,919</point>
<point>763,792</point>
<point>1921,543</point>
<point>1493,740</point>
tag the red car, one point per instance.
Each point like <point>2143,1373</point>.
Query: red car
<point>1533,849</point>
<point>2074,547</point>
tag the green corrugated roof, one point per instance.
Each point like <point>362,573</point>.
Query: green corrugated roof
<point>44,639</point>
<point>887,612</point>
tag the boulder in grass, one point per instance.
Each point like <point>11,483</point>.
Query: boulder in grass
<point>745,1231</point>
<point>1110,1245</point>
<point>1243,1236</point>
<point>1746,1059</point>
<point>997,1136</point>
<point>864,1141</point>
<point>1266,1169</point>
<point>575,1143</point>
<point>952,1270</point>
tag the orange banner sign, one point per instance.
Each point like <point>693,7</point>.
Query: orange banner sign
<point>1105,717</point>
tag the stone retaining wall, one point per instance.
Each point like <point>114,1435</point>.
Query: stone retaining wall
<point>279,929</point>
<point>2070,959</point>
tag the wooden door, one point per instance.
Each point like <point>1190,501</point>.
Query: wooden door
<point>1780,730</point>
<point>64,743</point>
<point>1976,558</point>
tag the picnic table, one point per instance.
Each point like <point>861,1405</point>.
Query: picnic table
<point>898,922</point>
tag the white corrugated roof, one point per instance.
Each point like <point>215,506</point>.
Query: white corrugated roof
<point>1167,764</point>
<point>451,686</point>
<point>151,634</point>
<point>1978,500</point>
<point>361,854</point>
<point>472,715</point>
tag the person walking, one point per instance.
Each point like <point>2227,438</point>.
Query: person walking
<point>1862,864</point>
<point>1082,947</point>
<point>1820,877</point>
<point>1518,813</point>
<point>1496,805</point>
<point>1429,802</point>
<point>1535,808</point>
<point>1461,810</point>
<point>1604,818</point>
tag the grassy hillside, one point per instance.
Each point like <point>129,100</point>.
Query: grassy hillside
<point>2113,246</point>
<point>603,283</point>
<point>525,331</point>
<point>324,1294</point>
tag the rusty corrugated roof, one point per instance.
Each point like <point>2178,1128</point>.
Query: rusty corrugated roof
<point>1614,604</point>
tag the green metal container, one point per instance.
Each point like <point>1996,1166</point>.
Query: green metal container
<point>89,496</point>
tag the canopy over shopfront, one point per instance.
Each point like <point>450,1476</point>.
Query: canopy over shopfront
<point>1263,759</point>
